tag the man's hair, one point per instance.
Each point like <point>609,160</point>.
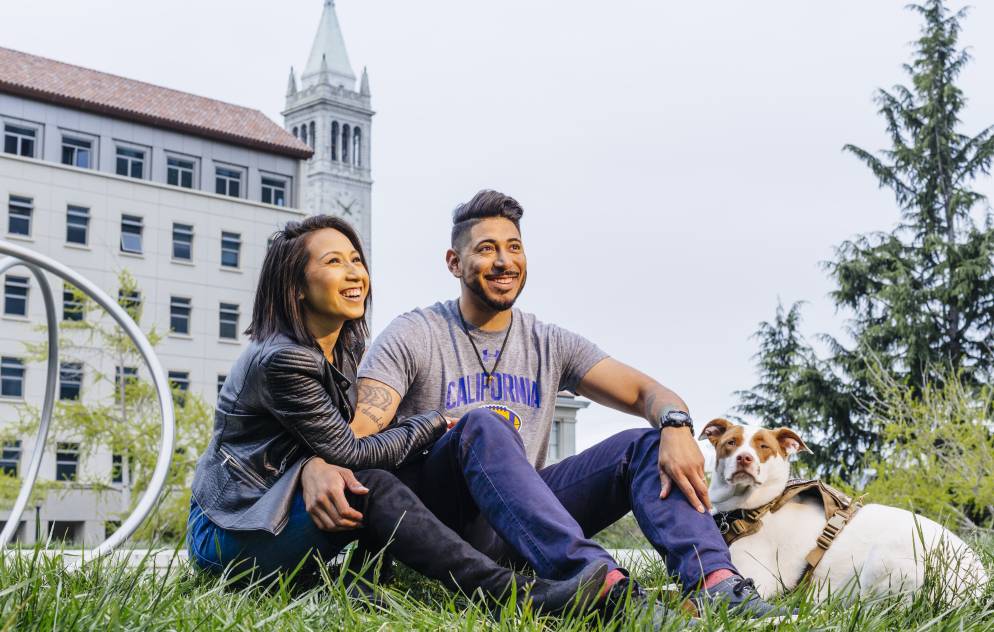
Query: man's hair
<point>484,204</point>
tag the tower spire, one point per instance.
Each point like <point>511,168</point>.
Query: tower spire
<point>329,48</point>
<point>291,84</point>
<point>364,83</point>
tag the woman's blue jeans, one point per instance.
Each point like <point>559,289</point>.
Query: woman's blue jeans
<point>213,548</point>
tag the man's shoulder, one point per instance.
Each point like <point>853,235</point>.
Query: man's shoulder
<point>531,322</point>
<point>419,322</point>
<point>423,317</point>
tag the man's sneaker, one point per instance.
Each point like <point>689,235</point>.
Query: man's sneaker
<point>629,601</point>
<point>739,595</point>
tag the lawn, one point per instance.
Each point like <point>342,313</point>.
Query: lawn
<point>37,593</point>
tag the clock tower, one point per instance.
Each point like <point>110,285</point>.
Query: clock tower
<point>327,111</point>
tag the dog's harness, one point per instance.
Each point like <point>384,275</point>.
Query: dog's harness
<point>839,510</point>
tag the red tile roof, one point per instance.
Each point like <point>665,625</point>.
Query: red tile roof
<point>93,91</point>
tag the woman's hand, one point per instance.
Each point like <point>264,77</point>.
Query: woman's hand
<point>324,488</point>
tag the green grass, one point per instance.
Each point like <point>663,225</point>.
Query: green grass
<point>37,593</point>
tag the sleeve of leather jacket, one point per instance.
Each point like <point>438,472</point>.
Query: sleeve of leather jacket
<point>297,398</point>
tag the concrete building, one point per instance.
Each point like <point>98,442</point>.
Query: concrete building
<point>106,174</point>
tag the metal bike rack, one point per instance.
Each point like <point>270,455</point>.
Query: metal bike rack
<point>38,264</point>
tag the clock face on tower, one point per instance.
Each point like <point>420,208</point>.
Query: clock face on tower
<point>348,204</point>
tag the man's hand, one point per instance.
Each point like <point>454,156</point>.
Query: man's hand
<point>681,462</point>
<point>324,488</point>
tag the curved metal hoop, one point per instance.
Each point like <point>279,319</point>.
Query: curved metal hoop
<point>19,256</point>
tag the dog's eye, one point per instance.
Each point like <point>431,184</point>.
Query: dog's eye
<point>763,446</point>
<point>730,442</point>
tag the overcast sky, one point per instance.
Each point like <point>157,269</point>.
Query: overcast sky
<point>680,164</point>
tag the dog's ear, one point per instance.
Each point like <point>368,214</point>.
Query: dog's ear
<point>714,429</point>
<point>790,441</point>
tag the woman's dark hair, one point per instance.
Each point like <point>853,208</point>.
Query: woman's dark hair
<point>278,308</point>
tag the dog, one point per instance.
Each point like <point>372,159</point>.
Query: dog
<point>881,550</point>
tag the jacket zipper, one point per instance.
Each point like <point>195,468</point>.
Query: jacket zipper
<point>244,470</point>
<point>290,453</point>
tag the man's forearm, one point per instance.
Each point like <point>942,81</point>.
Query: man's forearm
<point>655,400</point>
<point>376,405</point>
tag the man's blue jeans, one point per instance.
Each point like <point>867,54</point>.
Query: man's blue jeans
<point>478,481</point>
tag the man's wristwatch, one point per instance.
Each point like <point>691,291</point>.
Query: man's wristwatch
<point>674,418</point>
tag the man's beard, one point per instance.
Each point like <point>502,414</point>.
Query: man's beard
<point>496,304</point>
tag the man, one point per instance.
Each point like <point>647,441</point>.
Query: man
<point>486,477</point>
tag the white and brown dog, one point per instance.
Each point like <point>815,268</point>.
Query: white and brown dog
<point>882,550</point>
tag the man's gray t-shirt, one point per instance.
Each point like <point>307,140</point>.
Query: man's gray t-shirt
<point>426,356</point>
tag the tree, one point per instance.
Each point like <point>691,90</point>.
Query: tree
<point>799,390</point>
<point>921,297</point>
<point>127,421</point>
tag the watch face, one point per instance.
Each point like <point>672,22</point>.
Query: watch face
<point>678,416</point>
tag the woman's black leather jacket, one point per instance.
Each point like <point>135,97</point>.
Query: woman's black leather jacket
<point>281,404</point>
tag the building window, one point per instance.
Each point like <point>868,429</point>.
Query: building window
<point>19,140</point>
<point>357,147</point>
<point>19,215</point>
<point>183,242</point>
<point>77,224</point>
<point>334,140</point>
<point>77,152</point>
<point>179,172</point>
<point>130,162</point>
<point>11,377</point>
<point>131,301</point>
<point>180,383</point>
<point>303,133</point>
<point>15,295</point>
<point>117,471</point>
<point>10,457</point>
<point>346,142</point>
<point>220,382</point>
<point>313,137</point>
<point>66,461</point>
<point>130,374</point>
<point>131,234</point>
<point>231,246</point>
<point>554,448</point>
<point>70,380</point>
<point>228,321</point>
<point>274,191</point>
<point>180,380</point>
<point>179,315</point>
<point>228,182</point>
<point>296,133</point>
<point>72,303</point>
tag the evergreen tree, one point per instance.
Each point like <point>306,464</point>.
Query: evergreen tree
<point>921,297</point>
<point>799,390</point>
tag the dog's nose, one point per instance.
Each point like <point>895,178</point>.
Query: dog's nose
<point>744,459</point>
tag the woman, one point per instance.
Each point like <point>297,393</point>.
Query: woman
<point>290,396</point>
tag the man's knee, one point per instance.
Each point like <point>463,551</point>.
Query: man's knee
<point>481,421</point>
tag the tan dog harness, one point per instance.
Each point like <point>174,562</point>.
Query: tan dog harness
<point>839,510</point>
